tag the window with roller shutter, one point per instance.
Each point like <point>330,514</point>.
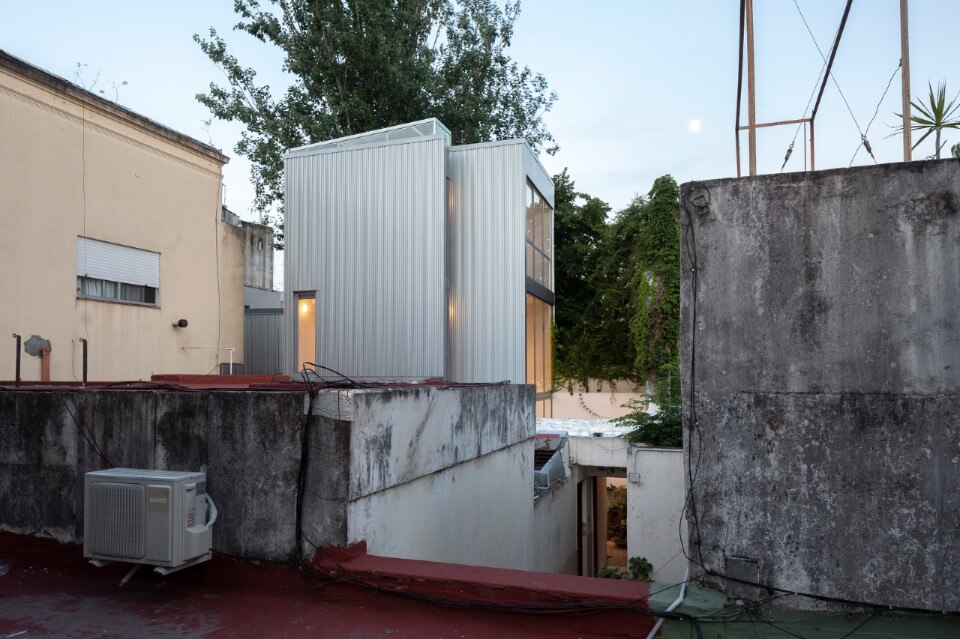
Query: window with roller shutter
<point>117,273</point>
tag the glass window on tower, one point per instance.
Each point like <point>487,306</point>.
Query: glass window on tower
<point>539,358</point>
<point>306,329</point>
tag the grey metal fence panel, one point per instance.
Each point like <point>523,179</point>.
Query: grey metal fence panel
<point>263,341</point>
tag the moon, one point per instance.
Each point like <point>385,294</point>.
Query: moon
<point>694,125</point>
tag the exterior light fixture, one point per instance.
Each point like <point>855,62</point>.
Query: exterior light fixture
<point>181,323</point>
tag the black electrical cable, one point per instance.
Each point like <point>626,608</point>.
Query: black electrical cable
<point>88,437</point>
<point>863,140</point>
<point>690,241</point>
<point>833,55</point>
<point>812,92</point>
<point>327,368</point>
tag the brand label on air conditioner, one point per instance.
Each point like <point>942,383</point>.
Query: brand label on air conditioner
<point>158,499</point>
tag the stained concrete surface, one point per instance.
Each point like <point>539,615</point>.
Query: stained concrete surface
<point>388,475</point>
<point>827,438</point>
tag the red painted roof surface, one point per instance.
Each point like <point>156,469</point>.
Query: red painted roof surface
<point>48,590</point>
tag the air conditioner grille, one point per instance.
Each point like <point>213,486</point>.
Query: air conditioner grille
<point>117,519</point>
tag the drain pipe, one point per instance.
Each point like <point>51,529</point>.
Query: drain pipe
<point>673,606</point>
<point>17,376</point>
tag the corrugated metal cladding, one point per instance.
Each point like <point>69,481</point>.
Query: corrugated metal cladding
<point>117,263</point>
<point>263,341</point>
<point>487,235</point>
<point>365,229</point>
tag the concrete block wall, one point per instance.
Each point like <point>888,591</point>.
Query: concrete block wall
<point>827,346</point>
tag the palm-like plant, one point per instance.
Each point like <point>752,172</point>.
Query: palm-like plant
<point>933,117</point>
<point>956,151</point>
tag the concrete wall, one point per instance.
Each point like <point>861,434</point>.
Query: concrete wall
<point>432,473</point>
<point>80,166</point>
<point>598,400</point>
<point>443,474</point>
<point>477,512</point>
<point>555,528</point>
<point>655,496</point>
<point>262,298</point>
<point>257,256</point>
<point>827,372</point>
<point>606,456</point>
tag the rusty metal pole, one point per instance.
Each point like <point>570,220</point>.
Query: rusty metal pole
<point>84,342</point>
<point>905,81</point>
<point>751,92</point>
<point>739,174</point>
<point>813,162</point>
<point>804,146</point>
<point>17,373</point>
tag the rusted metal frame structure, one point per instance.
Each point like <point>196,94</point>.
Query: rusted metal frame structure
<point>746,29</point>
<point>905,80</point>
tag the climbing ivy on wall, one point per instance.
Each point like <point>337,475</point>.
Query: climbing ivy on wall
<point>617,287</point>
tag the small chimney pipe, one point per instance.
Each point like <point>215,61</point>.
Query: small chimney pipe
<point>44,364</point>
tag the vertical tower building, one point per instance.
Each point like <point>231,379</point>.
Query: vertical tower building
<point>408,259</point>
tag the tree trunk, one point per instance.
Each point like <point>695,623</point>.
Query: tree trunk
<point>938,143</point>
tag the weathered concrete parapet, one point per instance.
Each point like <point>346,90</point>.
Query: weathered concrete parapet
<point>429,472</point>
<point>398,435</point>
<point>384,475</point>
<point>827,345</point>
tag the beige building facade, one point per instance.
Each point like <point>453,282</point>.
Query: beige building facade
<point>110,231</point>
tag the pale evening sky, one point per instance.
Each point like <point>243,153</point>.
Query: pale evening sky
<point>645,87</point>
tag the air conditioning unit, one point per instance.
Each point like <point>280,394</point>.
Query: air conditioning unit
<point>157,517</point>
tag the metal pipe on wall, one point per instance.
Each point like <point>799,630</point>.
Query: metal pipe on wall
<point>17,367</point>
<point>84,342</point>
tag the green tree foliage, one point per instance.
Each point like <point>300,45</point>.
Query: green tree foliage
<point>578,230</point>
<point>621,280</point>
<point>665,428</point>
<point>655,321</point>
<point>366,64</point>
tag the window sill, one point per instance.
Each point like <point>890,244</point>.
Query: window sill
<point>86,298</point>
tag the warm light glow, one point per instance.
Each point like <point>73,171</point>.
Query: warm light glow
<point>694,125</point>
<point>306,330</point>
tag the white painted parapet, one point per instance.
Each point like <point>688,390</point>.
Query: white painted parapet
<point>655,497</point>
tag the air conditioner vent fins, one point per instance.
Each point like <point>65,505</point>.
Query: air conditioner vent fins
<point>118,515</point>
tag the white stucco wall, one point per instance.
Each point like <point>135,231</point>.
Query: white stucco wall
<point>655,496</point>
<point>555,523</point>
<point>478,512</point>
<point>599,452</point>
<point>435,473</point>
<point>597,400</point>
